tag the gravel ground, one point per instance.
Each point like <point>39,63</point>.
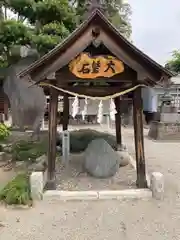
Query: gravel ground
<point>128,220</point>
<point>73,177</point>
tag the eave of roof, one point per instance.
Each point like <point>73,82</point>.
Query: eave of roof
<point>79,30</point>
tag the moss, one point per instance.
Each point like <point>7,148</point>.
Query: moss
<point>80,139</point>
<point>28,151</point>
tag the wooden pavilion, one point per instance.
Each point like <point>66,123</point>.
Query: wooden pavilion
<point>96,36</point>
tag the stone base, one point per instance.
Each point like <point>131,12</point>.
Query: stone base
<point>129,194</point>
<point>164,131</point>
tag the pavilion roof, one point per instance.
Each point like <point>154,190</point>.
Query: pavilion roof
<point>97,17</point>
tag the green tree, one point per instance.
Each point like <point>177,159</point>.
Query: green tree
<point>174,63</point>
<point>12,33</point>
<point>117,12</point>
<point>39,23</point>
<point>49,20</point>
<point>42,24</point>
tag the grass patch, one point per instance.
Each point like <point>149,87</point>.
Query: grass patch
<point>80,139</point>
<point>17,191</point>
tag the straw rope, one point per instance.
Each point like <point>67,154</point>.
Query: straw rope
<point>90,97</point>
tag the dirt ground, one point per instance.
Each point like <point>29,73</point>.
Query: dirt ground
<point>5,176</point>
<point>105,220</point>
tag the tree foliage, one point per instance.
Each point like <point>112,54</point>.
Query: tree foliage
<point>174,64</point>
<point>12,33</point>
<point>39,23</point>
<point>44,23</point>
<point>117,12</point>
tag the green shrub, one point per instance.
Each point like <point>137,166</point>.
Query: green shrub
<point>28,151</point>
<point>17,191</point>
<point>80,139</point>
<point>4,132</point>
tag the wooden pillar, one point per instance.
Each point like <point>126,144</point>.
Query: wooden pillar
<point>53,106</point>
<point>117,102</point>
<point>139,138</point>
<point>65,112</point>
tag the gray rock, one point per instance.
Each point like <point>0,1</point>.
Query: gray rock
<point>2,156</point>
<point>59,149</point>
<point>101,161</point>
<point>124,158</point>
<point>21,165</point>
<point>7,147</point>
<point>39,165</point>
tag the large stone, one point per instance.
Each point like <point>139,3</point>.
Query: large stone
<point>101,161</point>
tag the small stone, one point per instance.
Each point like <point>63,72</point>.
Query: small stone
<point>21,164</point>
<point>124,158</point>
<point>101,161</point>
<point>59,149</point>
<point>157,185</point>
<point>2,156</point>
<point>1,225</point>
<point>37,185</point>
<point>39,165</point>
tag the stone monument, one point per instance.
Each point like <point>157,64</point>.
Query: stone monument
<point>167,127</point>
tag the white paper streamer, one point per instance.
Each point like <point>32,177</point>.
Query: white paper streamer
<point>84,111</point>
<point>75,107</point>
<point>100,112</point>
<point>24,51</point>
<point>112,110</point>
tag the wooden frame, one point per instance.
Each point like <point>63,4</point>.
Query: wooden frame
<point>98,28</point>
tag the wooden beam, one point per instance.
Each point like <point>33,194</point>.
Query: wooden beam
<point>65,112</point>
<point>53,106</point>
<point>139,139</point>
<point>117,102</point>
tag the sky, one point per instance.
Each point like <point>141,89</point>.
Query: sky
<point>155,26</point>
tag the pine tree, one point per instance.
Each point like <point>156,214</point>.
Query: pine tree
<point>42,24</point>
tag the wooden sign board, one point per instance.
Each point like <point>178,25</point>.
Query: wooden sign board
<point>85,66</point>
